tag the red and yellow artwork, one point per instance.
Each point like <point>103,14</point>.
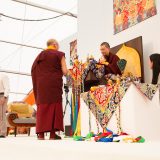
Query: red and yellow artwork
<point>73,51</point>
<point>102,96</point>
<point>128,13</point>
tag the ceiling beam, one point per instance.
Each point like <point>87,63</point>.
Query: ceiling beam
<point>15,72</point>
<point>45,8</point>
<point>20,44</point>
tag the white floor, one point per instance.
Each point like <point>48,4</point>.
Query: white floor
<point>29,148</point>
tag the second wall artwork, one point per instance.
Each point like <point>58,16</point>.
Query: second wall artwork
<point>73,51</point>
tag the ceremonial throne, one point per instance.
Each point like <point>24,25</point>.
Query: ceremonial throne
<point>131,52</point>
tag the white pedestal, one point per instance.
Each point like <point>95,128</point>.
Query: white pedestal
<point>139,116</point>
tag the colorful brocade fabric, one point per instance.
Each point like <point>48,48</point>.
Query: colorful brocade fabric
<point>148,90</point>
<point>104,101</point>
<point>102,96</point>
<point>76,72</point>
<point>74,75</point>
<point>79,72</point>
<point>98,70</point>
<point>102,106</point>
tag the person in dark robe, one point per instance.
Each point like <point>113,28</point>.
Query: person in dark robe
<point>154,63</point>
<point>109,60</point>
<point>47,72</point>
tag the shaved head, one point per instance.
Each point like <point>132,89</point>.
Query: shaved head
<point>53,42</point>
<point>105,48</point>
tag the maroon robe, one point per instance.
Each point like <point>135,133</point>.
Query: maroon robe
<point>113,68</point>
<point>47,86</point>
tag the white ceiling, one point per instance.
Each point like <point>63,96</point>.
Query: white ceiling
<point>20,59</point>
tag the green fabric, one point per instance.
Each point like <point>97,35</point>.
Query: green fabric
<point>140,139</point>
<point>78,138</point>
<point>89,135</point>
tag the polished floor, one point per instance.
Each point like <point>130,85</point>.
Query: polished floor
<point>25,148</point>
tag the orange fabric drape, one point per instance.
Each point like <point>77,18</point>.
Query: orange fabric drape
<point>29,99</point>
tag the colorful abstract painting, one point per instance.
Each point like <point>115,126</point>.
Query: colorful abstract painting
<point>128,13</point>
<point>73,51</point>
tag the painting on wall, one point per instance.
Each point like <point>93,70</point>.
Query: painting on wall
<point>128,13</point>
<point>73,51</point>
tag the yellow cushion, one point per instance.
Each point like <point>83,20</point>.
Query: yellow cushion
<point>133,65</point>
<point>22,109</point>
<point>24,115</point>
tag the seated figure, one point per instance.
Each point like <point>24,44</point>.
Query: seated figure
<point>109,59</point>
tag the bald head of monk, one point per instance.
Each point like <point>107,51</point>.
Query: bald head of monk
<point>53,43</point>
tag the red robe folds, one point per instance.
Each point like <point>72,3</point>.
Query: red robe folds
<point>47,86</point>
<point>113,68</point>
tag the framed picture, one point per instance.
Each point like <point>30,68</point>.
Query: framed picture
<point>73,51</point>
<point>128,13</point>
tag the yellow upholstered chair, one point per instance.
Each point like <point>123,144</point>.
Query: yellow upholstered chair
<point>20,114</point>
<point>22,109</point>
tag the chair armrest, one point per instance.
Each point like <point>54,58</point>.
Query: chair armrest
<point>11,117</point>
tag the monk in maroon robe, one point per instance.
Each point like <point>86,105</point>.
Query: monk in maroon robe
<point>109,60</point>
<point>47,71</point>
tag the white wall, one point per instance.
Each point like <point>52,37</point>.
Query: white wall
<point>95,25</point>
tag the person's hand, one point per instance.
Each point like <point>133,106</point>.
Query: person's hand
<point>102,60</point>
<point>2,100</point>
<point>105,63</point>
